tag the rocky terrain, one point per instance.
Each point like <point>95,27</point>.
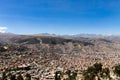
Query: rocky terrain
<point>41,56</point>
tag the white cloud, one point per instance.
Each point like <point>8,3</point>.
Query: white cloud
<point>3,29</point>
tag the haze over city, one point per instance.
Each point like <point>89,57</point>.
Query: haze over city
<point>60,16</point>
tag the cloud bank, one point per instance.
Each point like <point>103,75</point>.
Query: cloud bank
<point>3,29</point>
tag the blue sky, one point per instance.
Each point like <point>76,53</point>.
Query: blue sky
<point>60,16</point>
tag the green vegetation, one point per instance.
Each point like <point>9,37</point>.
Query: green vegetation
<point>20,77</point>
<point>105,73</point>
<point>12,77</point>
<point>4,76</point>
<point>28,76</point>
<point>58,75</point>
<point>96,71</point>
<point>71,75</point>
<point>93,72</point>
<point>117,70</point>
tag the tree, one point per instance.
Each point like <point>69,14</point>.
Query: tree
<point>58,75</point>
<point>92,72</point>
<point>97,67</point>
<point>12,77</point>
<point>20,77</point>
<point>89,74</point>
<point>28,76</point>
<point>71,75</point>
<point>4,77</point>
<point>105,73</point>
<point>116,70</point>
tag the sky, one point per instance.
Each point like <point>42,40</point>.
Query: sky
<point>60,17</point>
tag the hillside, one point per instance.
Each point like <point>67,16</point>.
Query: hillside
<point>52,53</point>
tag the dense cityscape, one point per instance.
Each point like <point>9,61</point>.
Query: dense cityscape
<point>56,58</point>
<point>59,39</point>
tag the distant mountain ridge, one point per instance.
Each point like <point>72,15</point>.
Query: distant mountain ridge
<point>4,37</point>
<point>100,36</point>
<point>115,38</point>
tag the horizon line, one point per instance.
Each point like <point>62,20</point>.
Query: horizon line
<point>62,34</point>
